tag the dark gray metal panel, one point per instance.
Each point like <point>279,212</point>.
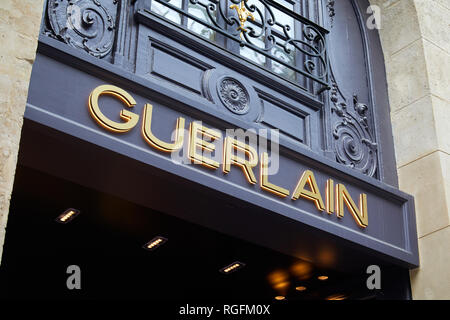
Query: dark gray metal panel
<point>276,116</point>
<point>358,69</point>
<point>351,130</point>
<point>158,90</point>
<point>55,102</point>
<point>352,135</point>
<point>173,65</point>
<point>376,72</point>
<point>226,59</point>
<point>181,75</point>
<point>189,69</point>
<point>86,164</point>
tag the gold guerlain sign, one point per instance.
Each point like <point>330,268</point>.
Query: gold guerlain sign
<point>336,196</point>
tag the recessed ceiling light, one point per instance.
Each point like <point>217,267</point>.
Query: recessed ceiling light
<point>322,278</point>
<point>300,288</point>
<point>67,215</point>
<point>232,267</point>
<point>156,242</point>
<point>280,298</point>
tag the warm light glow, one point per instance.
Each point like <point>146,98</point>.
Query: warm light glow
<point>232,267</point>
<point>279,298</point>
<point>302,270</point>
<point>67,215</point>
<point>337,296</point>
<point>281,285</point>
<point>278,276</point>
<point>279,280</point>
<point>322,278</point>
<point>326,256</point>
<point>300,288</point>
<point>155,243</point>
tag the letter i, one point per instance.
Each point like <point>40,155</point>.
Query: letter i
<point>330,196</point>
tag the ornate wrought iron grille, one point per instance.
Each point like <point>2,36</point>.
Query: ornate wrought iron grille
<point>273,34</point>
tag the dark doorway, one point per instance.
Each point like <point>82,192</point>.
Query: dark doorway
<point>106,241</point>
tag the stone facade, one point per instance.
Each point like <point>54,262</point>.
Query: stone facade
<point>19,28</point>
<point>416,44</point>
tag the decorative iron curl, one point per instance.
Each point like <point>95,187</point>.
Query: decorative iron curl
<point>353,143</point>
<point>83,24</point>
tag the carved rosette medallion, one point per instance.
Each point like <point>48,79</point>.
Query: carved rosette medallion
<point>233,95</point>
<point>352,141</point>
<point>83,24</point>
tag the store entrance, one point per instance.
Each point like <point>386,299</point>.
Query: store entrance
<point>107,241</point>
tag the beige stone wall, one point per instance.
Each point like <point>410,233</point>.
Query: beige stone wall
<point>416,43</point>
<point>19,27</point>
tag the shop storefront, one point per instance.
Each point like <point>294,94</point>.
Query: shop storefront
<point>207,149</point>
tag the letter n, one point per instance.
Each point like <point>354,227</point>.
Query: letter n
<point>359,214</point>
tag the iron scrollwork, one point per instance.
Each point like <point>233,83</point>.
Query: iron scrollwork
<point>83,24</point>
<point>353,143</point>
<point>309,39</point>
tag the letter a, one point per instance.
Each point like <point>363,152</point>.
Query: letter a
<point>314,194</point>
<point>374,281</point>
<point>74,280</point>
